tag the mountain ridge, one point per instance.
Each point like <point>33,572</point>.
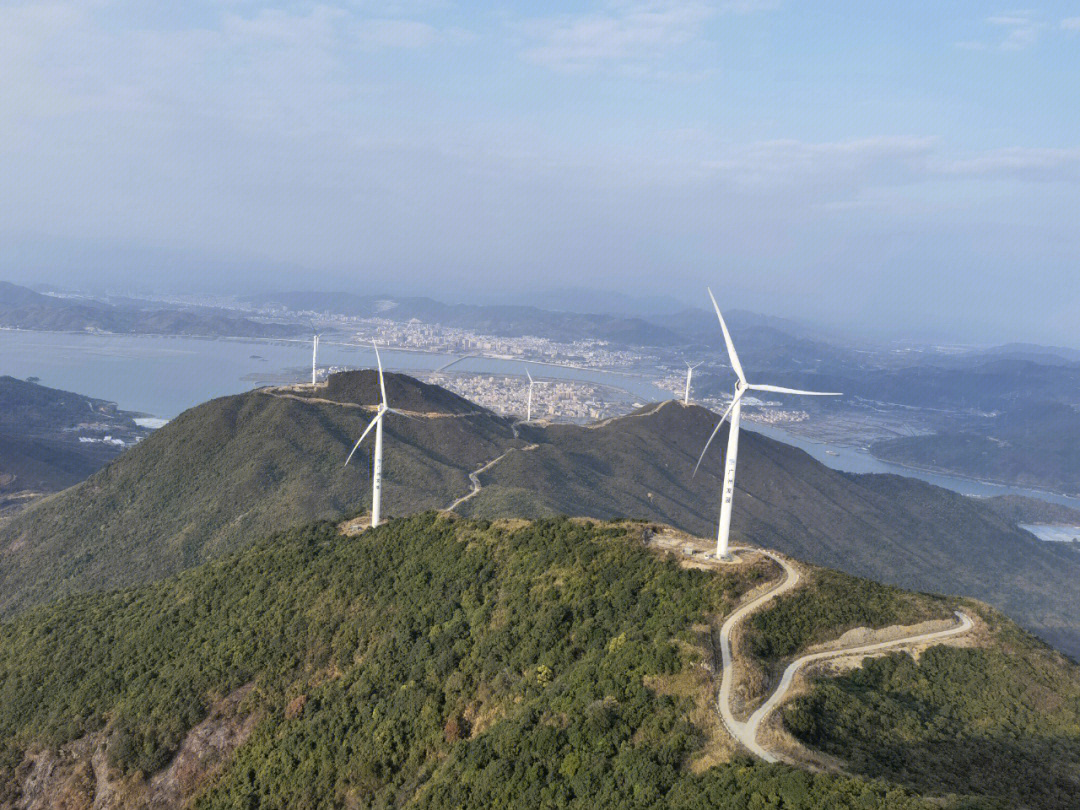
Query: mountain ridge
<point>227,470</point>
<point>561,663</point>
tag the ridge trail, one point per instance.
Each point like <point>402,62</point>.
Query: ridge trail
<point>474,476</point>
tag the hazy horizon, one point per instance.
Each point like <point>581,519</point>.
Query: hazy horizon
<point>914,170</point>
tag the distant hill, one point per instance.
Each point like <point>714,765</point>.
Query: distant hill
<point>437,663</point>
<point>492,319</point>
<point>993,385</point>
<point>1019,509</point>
<point>233,468</point>
<point>22,308</point>
<point>1048,355</point>
<point>1037,446</point>
<point>51,439</point>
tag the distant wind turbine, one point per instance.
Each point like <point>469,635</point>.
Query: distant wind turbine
<point>314,358</point>
<point>528,408</point>
<point>689,374</point>
<point>735,411</point>
<point>377,423</point>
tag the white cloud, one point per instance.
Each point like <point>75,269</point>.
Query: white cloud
<point>1022,29</point>
<point>832,165</point>
<point>626,34</point>
<point>1020,162</point>
<point>395,33</point>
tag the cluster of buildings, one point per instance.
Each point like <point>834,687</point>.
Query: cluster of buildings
<point>434,338</point>
<point>566,401</point>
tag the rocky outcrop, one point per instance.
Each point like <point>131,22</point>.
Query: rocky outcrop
<point>78,775</point>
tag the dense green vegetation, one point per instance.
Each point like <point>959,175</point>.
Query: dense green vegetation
<point>236,468</point>
<point>884,527</point>
<point>1003,723</point>
<point>826,606</point>
<point>227,472</point>
<point>430,662</point>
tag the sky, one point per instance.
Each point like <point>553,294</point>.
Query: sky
<point>907,167</point>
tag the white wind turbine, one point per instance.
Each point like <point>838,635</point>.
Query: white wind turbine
<point>528,408</point>
<point>376,483</point>
<point>689,374</point>
<point>735,411</point>
<point>314,357</point>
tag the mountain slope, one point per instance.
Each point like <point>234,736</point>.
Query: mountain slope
<point>888,528</point>
<point>31,465</point>
<point>428,663</point>
<point>234,468</point>
<point>51,439</point>
<point>221,473</point>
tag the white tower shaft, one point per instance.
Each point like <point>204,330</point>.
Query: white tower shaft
<point>686,395</point>
<point>729,482</point>
<point>528,409</point>
<point>376,479</point>
<point>314,359</point>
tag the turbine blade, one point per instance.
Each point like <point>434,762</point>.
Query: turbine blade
<point>732,356</point>
<point>716,430</point>
<point>776,389</point>
<point>382,385</point>
<point>363,435</point>
<point>399,413</point>
<point>527,374</point>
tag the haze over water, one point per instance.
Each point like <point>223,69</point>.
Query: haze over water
<point>163,376</point>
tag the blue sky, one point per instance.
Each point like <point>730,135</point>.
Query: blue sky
<point>913,167</point>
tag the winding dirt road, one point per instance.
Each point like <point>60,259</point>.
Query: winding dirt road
<point>747,732</point>
<point>474,476</point>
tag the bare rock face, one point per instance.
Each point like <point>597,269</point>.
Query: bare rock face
<point>79,777</point>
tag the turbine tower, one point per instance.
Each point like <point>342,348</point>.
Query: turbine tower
<point>377,423</point>
<point>689,374</point>
<point>314,358</point>
<point>528,408</point>
<point>735,412</point>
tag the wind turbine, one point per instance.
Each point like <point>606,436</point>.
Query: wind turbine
<point>314,356</point>
<point>528,408</point>
<point>377,422</point>
<point>735,411</point>
<point>689,374</point>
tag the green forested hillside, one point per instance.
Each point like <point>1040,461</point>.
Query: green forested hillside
<point>884,527</point>
<point>829,603</point>
<point>228,470</point>
<point>40,431</point>
<point>1000,723</point>
<point>428,663</point>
